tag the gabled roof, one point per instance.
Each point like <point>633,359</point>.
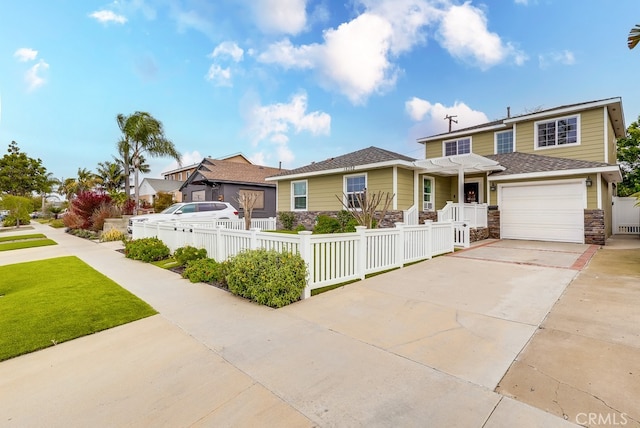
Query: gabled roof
<point>613,105</point>
<point>161,185</point>
<point>530,164</point>
<point>215,170</point>
<point>371,157</point>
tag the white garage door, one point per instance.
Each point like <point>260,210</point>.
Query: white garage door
<point>545,212</point>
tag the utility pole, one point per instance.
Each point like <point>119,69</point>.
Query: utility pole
<point>450,119</point>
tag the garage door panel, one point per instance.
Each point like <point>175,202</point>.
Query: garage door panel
<point>548,212</point>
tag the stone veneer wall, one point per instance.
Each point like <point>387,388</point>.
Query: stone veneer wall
<point>308,218</point>
<point>478,233</point>
<point>594,230</point>
<point>493,221</point>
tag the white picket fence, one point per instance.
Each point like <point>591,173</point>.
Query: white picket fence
<point>330,258</point>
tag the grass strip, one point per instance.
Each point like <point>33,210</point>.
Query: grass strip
<point>21,237</point>
<point>47,302</point>
<point>18,245</point>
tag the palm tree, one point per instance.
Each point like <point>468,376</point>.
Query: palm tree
<point>634,37</point>
<point>142,133</point>
<point>69,187</point>
<point>110,175</point>
<point>87,180</point>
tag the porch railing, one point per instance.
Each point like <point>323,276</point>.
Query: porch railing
<point>475,215</point>
<point>411,216</point>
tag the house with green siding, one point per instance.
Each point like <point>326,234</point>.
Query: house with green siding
<point>544,175</point>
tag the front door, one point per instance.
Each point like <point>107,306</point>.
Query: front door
<point>471,193</point>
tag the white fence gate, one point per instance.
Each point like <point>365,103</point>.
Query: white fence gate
<point>331,258</point>
<point>626,216</point>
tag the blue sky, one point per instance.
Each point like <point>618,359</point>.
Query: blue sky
<point>296,81</point>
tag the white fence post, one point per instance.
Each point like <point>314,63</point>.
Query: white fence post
<point>307,256</point>
<point>361,265</point>
<point>400,245</point>
<point>254,238</point>
<point>220,247</point>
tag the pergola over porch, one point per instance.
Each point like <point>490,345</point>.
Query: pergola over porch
<point>454,165</point>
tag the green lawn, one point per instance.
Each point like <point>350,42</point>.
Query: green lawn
<point>22,237</point>
<point>46,302</point>
<point>17,245</point>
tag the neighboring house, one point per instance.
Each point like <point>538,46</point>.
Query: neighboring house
<point>224,180</point>
<point>545,175</point>
<point>180,174</point>
<point>150,187</point>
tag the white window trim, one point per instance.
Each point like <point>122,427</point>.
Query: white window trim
<point>557,146</point>
<point>444,144</point>
<point>433,193</point>
<point>495,140</point>
<point>344,185</point>
<point>306,195</point>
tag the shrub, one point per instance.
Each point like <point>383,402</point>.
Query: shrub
<point>163,201</point>
<point>86,203</point>
<point>111,235</point>
<point>204,270</point>
<point>19,208</point>
<point>56,223</point>
<point>267,277</point>
<point>72,220</point>
<point>326,224</point>
<point>347,221</point>
<point>146,249</point>
<point>128,206</point>
<point>84,233</point>
<point>287,218</point>
<point>183,255</point>
<point>104,211</point>
<point>300,228</point>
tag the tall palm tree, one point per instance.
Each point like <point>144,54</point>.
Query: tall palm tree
<point>634,37</point>
<point>110,175</point>
<point>69,188</point>
<point>142,134</point>
<point>86,180</point>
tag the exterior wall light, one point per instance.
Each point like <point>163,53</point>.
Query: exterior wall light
<point>588,182</point>
<point>493,187</point>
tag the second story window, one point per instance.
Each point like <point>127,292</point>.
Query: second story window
<point>504,141</point>
<point>557,132</point>
<point>457,147</point>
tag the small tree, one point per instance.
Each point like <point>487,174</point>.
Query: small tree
<point>19,208</point>
<point>163,201</point>
<point>629,160</point>
<point>247,201</point>
<point>364,206</point>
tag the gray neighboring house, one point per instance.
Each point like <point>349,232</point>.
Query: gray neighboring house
<point>224,180</point>
<point>150,187</point>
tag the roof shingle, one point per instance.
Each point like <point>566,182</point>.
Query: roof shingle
<point>229,171</point>
<point>523,163</point>
<point>370,155</point>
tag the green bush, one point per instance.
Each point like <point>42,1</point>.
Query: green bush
<point>300,228</point>
<point>183,255</point>
<point>11,220</point>
<point>326,224</point>
<point>267,277</point>
<point>204,270</point>
<point>84,233</point>
<point>287,218</point>
<point>146,249</point>
<point>347,221</point>
<point>56,223</point>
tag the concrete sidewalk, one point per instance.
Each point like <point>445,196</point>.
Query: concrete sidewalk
<point>421,346</point>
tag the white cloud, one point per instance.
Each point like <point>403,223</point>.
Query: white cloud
<point>194,20</point>
<point>565,57</point>
<point>220,76</point>
<point>274,123</point>
<point>280,16</point>
<point>35,75</point>
<point>352,59</point>
<point>417,108</point>
<point>230,49</point>
<point>25,54</point>
<point>105,16</point>
<point>463,32</point>
<point>432,117</point>
<point>523,2</point>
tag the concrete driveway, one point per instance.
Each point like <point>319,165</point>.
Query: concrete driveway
<point>423,345</point>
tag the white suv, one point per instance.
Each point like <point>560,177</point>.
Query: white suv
<point>187,210</point>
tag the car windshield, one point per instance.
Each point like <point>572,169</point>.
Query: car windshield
<point>173,208</point>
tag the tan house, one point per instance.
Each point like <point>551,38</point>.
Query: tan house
<point>150,187</point>
<point>546,175</point>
